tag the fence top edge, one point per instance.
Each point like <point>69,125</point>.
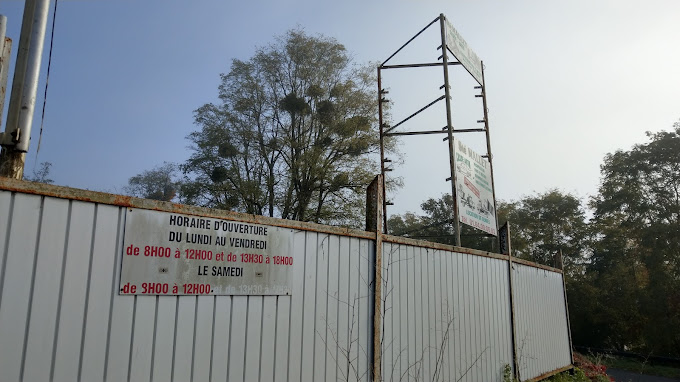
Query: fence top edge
<point>469,251</point>
<point>536,265</point>
<point>62,192</point>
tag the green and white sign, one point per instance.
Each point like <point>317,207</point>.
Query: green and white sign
<point>463,53</point>
<point>474,192</point>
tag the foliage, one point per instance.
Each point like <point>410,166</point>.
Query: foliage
<point>160,183</point>
<point>625,293</point>
<point>541,226</point>
<point>595,371</point>
<point>507,374</point>
<point>585,370</point>
<point>634,269</point>
<point>545,224</point>
<point>437,225</point>
<point>294,134</point>
<point>42,174</point>
<point>584,373</point>
<point>578,375</point>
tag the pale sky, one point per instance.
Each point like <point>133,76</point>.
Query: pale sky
<point>567,82</point>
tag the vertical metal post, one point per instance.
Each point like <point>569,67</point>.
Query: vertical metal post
<point>449,125</point>
<point>17,135</point>
<point>566,308</point>
<point>3,29</point>
<point>513,321</point>
<point>5,51</point>
<point>374,220</point>
<point>382,151</point>
<point>488,149</point>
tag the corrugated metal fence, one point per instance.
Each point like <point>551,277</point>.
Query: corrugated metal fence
<point>446,314</point>
<point>541,325</point>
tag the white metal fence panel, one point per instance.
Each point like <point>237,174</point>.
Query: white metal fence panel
<point>446,315</point>
<point>541,321</point>
<point>62,319</point>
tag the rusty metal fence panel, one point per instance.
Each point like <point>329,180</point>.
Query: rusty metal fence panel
<point>62,319</point>
<point>446,315</point>
<point>542,330</point>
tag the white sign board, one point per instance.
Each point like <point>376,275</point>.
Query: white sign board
<point>474,193</point>
<point>174,254</point>
<point>463,53</point>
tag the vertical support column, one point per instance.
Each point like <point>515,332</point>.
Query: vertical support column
<point>5,52</point>
<point>374,222</point>
<point>513,322</point>
<point>566,308</point>
<point>488,147</point>
<point>505,247</point>
<point>382,150</point>
<point>449,126</point>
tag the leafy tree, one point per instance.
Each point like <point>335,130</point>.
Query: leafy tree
<point>639,204</point>
<point>42,174</point>
<point>294,134</point>
<point>160,183</point>
<point>541,226</point>
<point>605,307</point>
<point>545,224</point>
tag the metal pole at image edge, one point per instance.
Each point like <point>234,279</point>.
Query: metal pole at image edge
<point>449,126</point>
<point>489,155</point>
<point>16,139</point>
<point>5,53</point>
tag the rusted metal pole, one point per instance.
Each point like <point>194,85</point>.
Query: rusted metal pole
<point>9,158</point>
<point>5,51</point>
<point>513,322</point>
<point>566,308</point>
<point>414,114</point>
<point>3,29</point>
<point>425,65</point>
<point>382,151</point>
<point>488,149</point>
<point>16,139</point>
<point>374,221</point>
<point>449,125</point>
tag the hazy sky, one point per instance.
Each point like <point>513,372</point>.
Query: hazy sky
<point>567,82</point>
